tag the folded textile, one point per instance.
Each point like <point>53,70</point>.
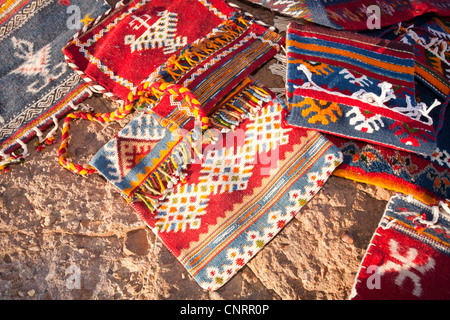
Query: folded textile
<point>228,206</point>
<point>147,156</point>
<point>37,87</point>
<point>408,257</point>
<point>358,87</point>
<point>355,14</point>
<point>425,177</point>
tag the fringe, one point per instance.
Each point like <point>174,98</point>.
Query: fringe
<point>243,102</point>
<point>281,22</point>
<point>246,103</point>
<point>279,68</point>
<point>195,53</point>
<point>157,186</point>
<point>18,155</point>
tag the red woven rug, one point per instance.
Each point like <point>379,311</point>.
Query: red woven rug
<point>409,255</point>
<point>218,212</point>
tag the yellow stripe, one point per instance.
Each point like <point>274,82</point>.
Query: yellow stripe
<point>238,214</point>
<point>240,61</point>
<point>385,183</point>
<point>423,233</point>
<point>431,79</point>
<point>246,206</point>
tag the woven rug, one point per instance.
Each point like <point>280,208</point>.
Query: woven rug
<point>409,255</point>
<point>392,169</point>
<point>355,14</point>
<point>358,87</point>
<point>221,210</point>
<point>426,178</point>
<point>37,87</point>
<point>145,33</point>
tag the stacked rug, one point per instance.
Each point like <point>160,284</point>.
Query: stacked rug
<point>207,162</point>
<point>37,86</point>
<point>356,14</point>
<point>213,161</point>
<point>206,47</point>
<point>381,101</point>
<point>358,87</point>
<point>393,170</point>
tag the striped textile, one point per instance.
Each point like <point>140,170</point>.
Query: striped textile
<point>358,87</point>
<point>393,169</point>
<point>144,34</point>
<point>208,47</point>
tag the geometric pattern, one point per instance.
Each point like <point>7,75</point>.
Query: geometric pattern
<point>161,34</point>
<point>32,62</point>
<point>358,87</point>
<point>245,190</point>
<point>129,147</point>
<point>225,168</point>
<point>147,33</point>
<point>276,220</point>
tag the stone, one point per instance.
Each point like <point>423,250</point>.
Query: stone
<point>136,242</point>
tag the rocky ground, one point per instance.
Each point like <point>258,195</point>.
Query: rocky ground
<point>64,236</point>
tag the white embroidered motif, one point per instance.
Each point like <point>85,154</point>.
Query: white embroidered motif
<point>36,64</point>
<point>405,267</point>
<point>364,121</point>
<point>161,34</point>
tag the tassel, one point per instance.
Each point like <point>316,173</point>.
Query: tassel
<point>420,110</point>
<point>194,53</point>
<point>147,203</point>
<point>281,23</point>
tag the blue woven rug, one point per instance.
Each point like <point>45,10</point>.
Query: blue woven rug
<point>37,87</point>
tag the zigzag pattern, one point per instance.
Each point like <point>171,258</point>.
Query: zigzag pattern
<point>21,17</point>
<point>40,106</point>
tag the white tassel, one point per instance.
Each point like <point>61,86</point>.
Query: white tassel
<point>418,111</point>
<point>444,206</point>
<point>24,147</point>
<point>369,97</point>
<point>51,133</point>
<point>281,23</point>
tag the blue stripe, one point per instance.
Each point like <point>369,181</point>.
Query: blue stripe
<point>357,63</point>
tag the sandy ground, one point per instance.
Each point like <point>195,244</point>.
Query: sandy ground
<point>57,228</point>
